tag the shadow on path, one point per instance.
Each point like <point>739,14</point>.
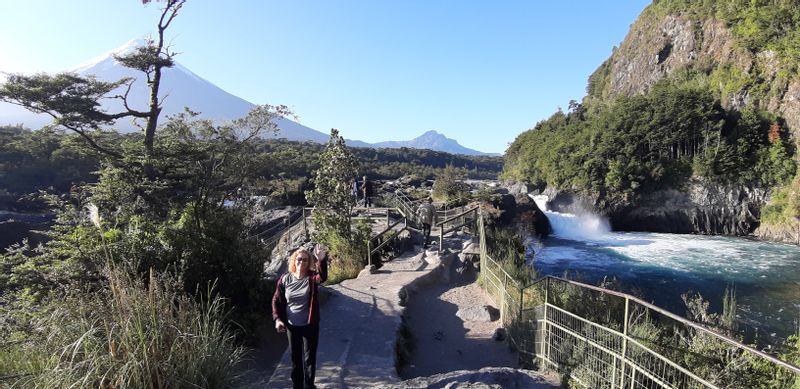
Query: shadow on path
<point>442,341</point>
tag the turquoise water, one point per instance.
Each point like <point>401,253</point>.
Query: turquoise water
<point>661,267</point>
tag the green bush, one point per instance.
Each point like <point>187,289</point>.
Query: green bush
<point>505,247</point>
<point>131,334</point>
<point>348,252</point>
<point>449,185</point>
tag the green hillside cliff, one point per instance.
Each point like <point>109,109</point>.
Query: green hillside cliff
<point>689,126</point>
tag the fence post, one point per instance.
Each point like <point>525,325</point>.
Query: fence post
<point>387,217</point>
<point>503,300</point>
<point>369,253</point>
<point>625,347</point>
<point>546,348</point>
<point>305,226</point>
<point>441,239</point>
<point>482,243</point>
<point>520,337</point>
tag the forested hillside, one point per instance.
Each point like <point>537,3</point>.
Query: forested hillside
<point>699,94</point>
<point>53,160</point>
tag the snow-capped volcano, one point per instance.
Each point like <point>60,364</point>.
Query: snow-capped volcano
<point>180,88</point>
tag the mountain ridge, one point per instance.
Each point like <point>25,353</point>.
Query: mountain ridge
<point>430,139</point>
<point>183,88</point>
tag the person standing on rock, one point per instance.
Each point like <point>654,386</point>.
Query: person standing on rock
<point>426,214</point>
<point>295,309</point>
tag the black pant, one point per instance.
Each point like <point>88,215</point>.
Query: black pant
<point>426,232</point>
<point>303,341</point>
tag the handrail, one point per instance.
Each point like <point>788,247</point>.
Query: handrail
<point>371,250</point>
<point>497,282</point>
<point>388,228</point>
<point>274,238</point>
<point>440,224</point>
<point>442,230</point>
<point>678,318</point>
<point>406,206</point>
<point>291,220</point>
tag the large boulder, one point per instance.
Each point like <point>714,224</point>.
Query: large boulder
<point>483,313</point>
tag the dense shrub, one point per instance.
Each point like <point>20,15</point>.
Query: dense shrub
<point>129,334</point>
<point>650,142</point>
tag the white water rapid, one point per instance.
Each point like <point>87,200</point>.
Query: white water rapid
<point>584,227</point>
<point>661,267</point>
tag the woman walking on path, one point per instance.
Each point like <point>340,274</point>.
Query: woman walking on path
<point>295,309</point>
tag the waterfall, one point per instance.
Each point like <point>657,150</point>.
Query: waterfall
<point>584,227</point>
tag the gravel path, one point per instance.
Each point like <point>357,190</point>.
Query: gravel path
<point>442,342</point>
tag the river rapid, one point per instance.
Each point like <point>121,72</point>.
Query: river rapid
<point>661,267</point>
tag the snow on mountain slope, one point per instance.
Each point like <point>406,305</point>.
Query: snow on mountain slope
<point>180,88</point>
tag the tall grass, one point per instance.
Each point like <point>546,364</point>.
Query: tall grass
<point>135,334</point>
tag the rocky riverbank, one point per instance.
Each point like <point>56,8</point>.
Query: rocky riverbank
<point>702,208</point>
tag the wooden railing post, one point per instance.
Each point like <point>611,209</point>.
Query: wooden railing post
<point>369,253</point>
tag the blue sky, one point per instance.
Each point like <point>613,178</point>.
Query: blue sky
<point>477,71</point>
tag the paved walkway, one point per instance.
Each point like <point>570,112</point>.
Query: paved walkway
<point>359,324</point>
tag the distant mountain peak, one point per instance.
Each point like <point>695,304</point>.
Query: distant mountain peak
<point>187,89</point>
<point>431,133</point>
<point>431,140</point>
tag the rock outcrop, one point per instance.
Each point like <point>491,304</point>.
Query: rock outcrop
<point>662,46</point>
<point>704,208</point>
<point>785,233</point>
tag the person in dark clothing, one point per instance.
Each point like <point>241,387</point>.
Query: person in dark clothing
<point>295,309</point>
<point>426,214</point>
<point>366,189</point>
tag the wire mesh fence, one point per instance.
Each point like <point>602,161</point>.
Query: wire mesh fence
<point>600,338</point>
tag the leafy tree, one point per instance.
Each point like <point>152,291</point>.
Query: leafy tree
<point>649,142</point>
<point>331,195</point>
<point>168,196</point>
<point>449,185</point>
<point>73,100</point>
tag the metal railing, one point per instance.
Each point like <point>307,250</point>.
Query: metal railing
<point>600,338</point>
<point>276,232</point>
<point>409,207</point>
<point>378,241</point>
<point>455,222</point>
<point>374,244</point>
